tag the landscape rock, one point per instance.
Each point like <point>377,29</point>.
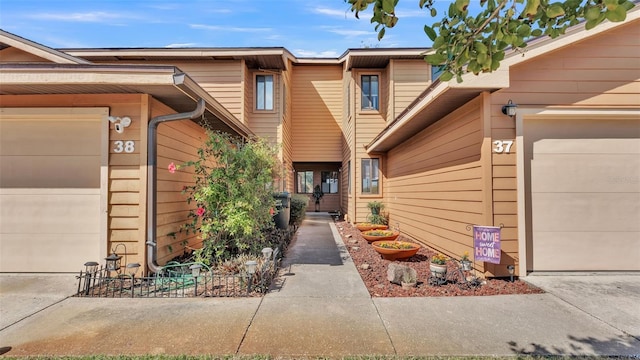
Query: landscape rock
<point>395,272</point>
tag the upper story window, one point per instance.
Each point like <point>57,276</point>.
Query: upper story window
<point>305,182</point>
<point>370,92</point>
<point>329,182</point>
<point>264,92</point>
<point>370,176</point>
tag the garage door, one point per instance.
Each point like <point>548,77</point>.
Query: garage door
<point>50,189</point>
<point>585,194</point>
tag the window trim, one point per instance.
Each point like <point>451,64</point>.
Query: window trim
<point>362,108</point>
<point>379,177</point>
<point>255,93</point>
<point>297,182</point>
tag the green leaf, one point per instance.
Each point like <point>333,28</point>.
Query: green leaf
<point>531,9</point>
<point>381,34</point>
<point>430,32</point>
<point>438,42</point>
<point>617,15</point>
<point>480,47</point>
<point>388,6</point>
<point>536,32</point>
<point>461,5</point>
<point>434,12</point>
<point>446,76</point>
<point>555,10</point>
<point>436,59</point>
<point>592,13</point>
<point>524,30</point>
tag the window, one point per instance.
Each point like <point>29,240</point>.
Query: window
<point>264,92</point>
<point>305,182</point>
<point>370,179</point>
<point>436,71</point>
<point>369,92</point>
<point>329,182</point>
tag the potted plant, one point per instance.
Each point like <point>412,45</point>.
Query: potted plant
<point>317,195</point>
<point>366,226</point>
<point>438,266</point>
<point>379,234</point>
<point>409,279</point>
<point>465,263</point>
<point>376,216</point>
<point>395,250</point>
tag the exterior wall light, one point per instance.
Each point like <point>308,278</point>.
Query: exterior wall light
<point>195,272</point>
<point>132,269</point>
<point>511,270</point>
<point>510,109</point>
<point>113,262</point>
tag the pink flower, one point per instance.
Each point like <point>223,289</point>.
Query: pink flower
<point>200,211</point>
<point>272,212</point>
<point>172,168</point>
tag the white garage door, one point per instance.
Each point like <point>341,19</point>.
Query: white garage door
<point>585,194</point>
<point>50,189</point>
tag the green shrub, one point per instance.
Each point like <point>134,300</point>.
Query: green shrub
<point>298,208</point>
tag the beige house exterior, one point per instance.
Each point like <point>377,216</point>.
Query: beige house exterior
<point>561,177</point>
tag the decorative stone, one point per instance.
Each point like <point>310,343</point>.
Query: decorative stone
<point>365,266</point>
<point>395,273</point>
<point>355,248</point>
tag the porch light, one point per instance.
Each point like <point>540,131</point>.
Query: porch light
<point>113,262</point>
<point>132,269</point>
<point>510,109</point>
<point>511,270</point>
<point>267,252</point>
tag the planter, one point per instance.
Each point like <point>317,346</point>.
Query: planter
<point>465,265</point>
<point>409,285</point>
<point>370,226</point>
<point>395,250</point>
<point>438,271</point>
<point>390,235</point>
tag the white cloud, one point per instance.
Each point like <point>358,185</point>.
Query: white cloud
<point>228,28</point>
<point>94,17</point>
<point>349,33</point>
<point>331,12</point>
<point>316,54</point>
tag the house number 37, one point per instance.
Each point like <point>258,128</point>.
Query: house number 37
<point>502,146</point>
<point>124,146</point>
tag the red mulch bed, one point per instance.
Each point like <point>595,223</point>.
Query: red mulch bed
<point>375,274</point>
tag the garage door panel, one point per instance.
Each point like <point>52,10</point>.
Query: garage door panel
<point>586,212</point>
<point>585,173</point>
<point>50,172</point>
<point>53,214</point>
<point>587,146</point>
<point>598,251</point>
<point>47,252</point>
<point>50,138</point>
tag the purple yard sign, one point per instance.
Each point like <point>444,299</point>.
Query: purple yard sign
<point>486,240</point>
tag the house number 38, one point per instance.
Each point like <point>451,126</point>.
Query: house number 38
<point>502,146</point>
<point>124,146</point>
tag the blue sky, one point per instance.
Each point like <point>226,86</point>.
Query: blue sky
<point>320,28</point>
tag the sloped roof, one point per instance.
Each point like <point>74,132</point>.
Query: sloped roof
<point>8,39</point>
<point>442,98</point>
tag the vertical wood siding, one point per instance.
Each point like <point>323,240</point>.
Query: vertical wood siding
<point>178,142</point>
<point>601,71</point>
<point>317,113</point>
<point>434,182</point>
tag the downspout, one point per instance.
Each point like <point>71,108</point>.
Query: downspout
<point>152,174</point>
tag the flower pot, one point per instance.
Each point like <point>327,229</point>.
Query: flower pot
<point>465,265</point>
<point>395,250</point>
<point>370,226</point>
<point>372,238</point>
<point>408,285</point>
<point>437,270</point>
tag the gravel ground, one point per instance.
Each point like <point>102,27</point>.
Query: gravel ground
<point>373,270</point>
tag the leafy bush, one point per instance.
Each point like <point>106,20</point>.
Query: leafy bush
<point>233,195</point>
<point>298,208</point>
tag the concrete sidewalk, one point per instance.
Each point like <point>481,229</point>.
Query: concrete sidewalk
<point>322,308</point>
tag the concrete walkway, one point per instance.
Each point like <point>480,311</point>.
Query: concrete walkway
<point>322,308</point>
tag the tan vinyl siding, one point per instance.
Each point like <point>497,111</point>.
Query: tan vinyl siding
<point>434,182</point>
<point>222,79</point>
<point>316,113</point>
<point>126,175</point>
<point>178,142</point>
<point>347,203</point>
<point>264,123</point>
<point>580,76</point>
<point>287,133</point>
<point>13,55</point>
<point>410,79</point>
